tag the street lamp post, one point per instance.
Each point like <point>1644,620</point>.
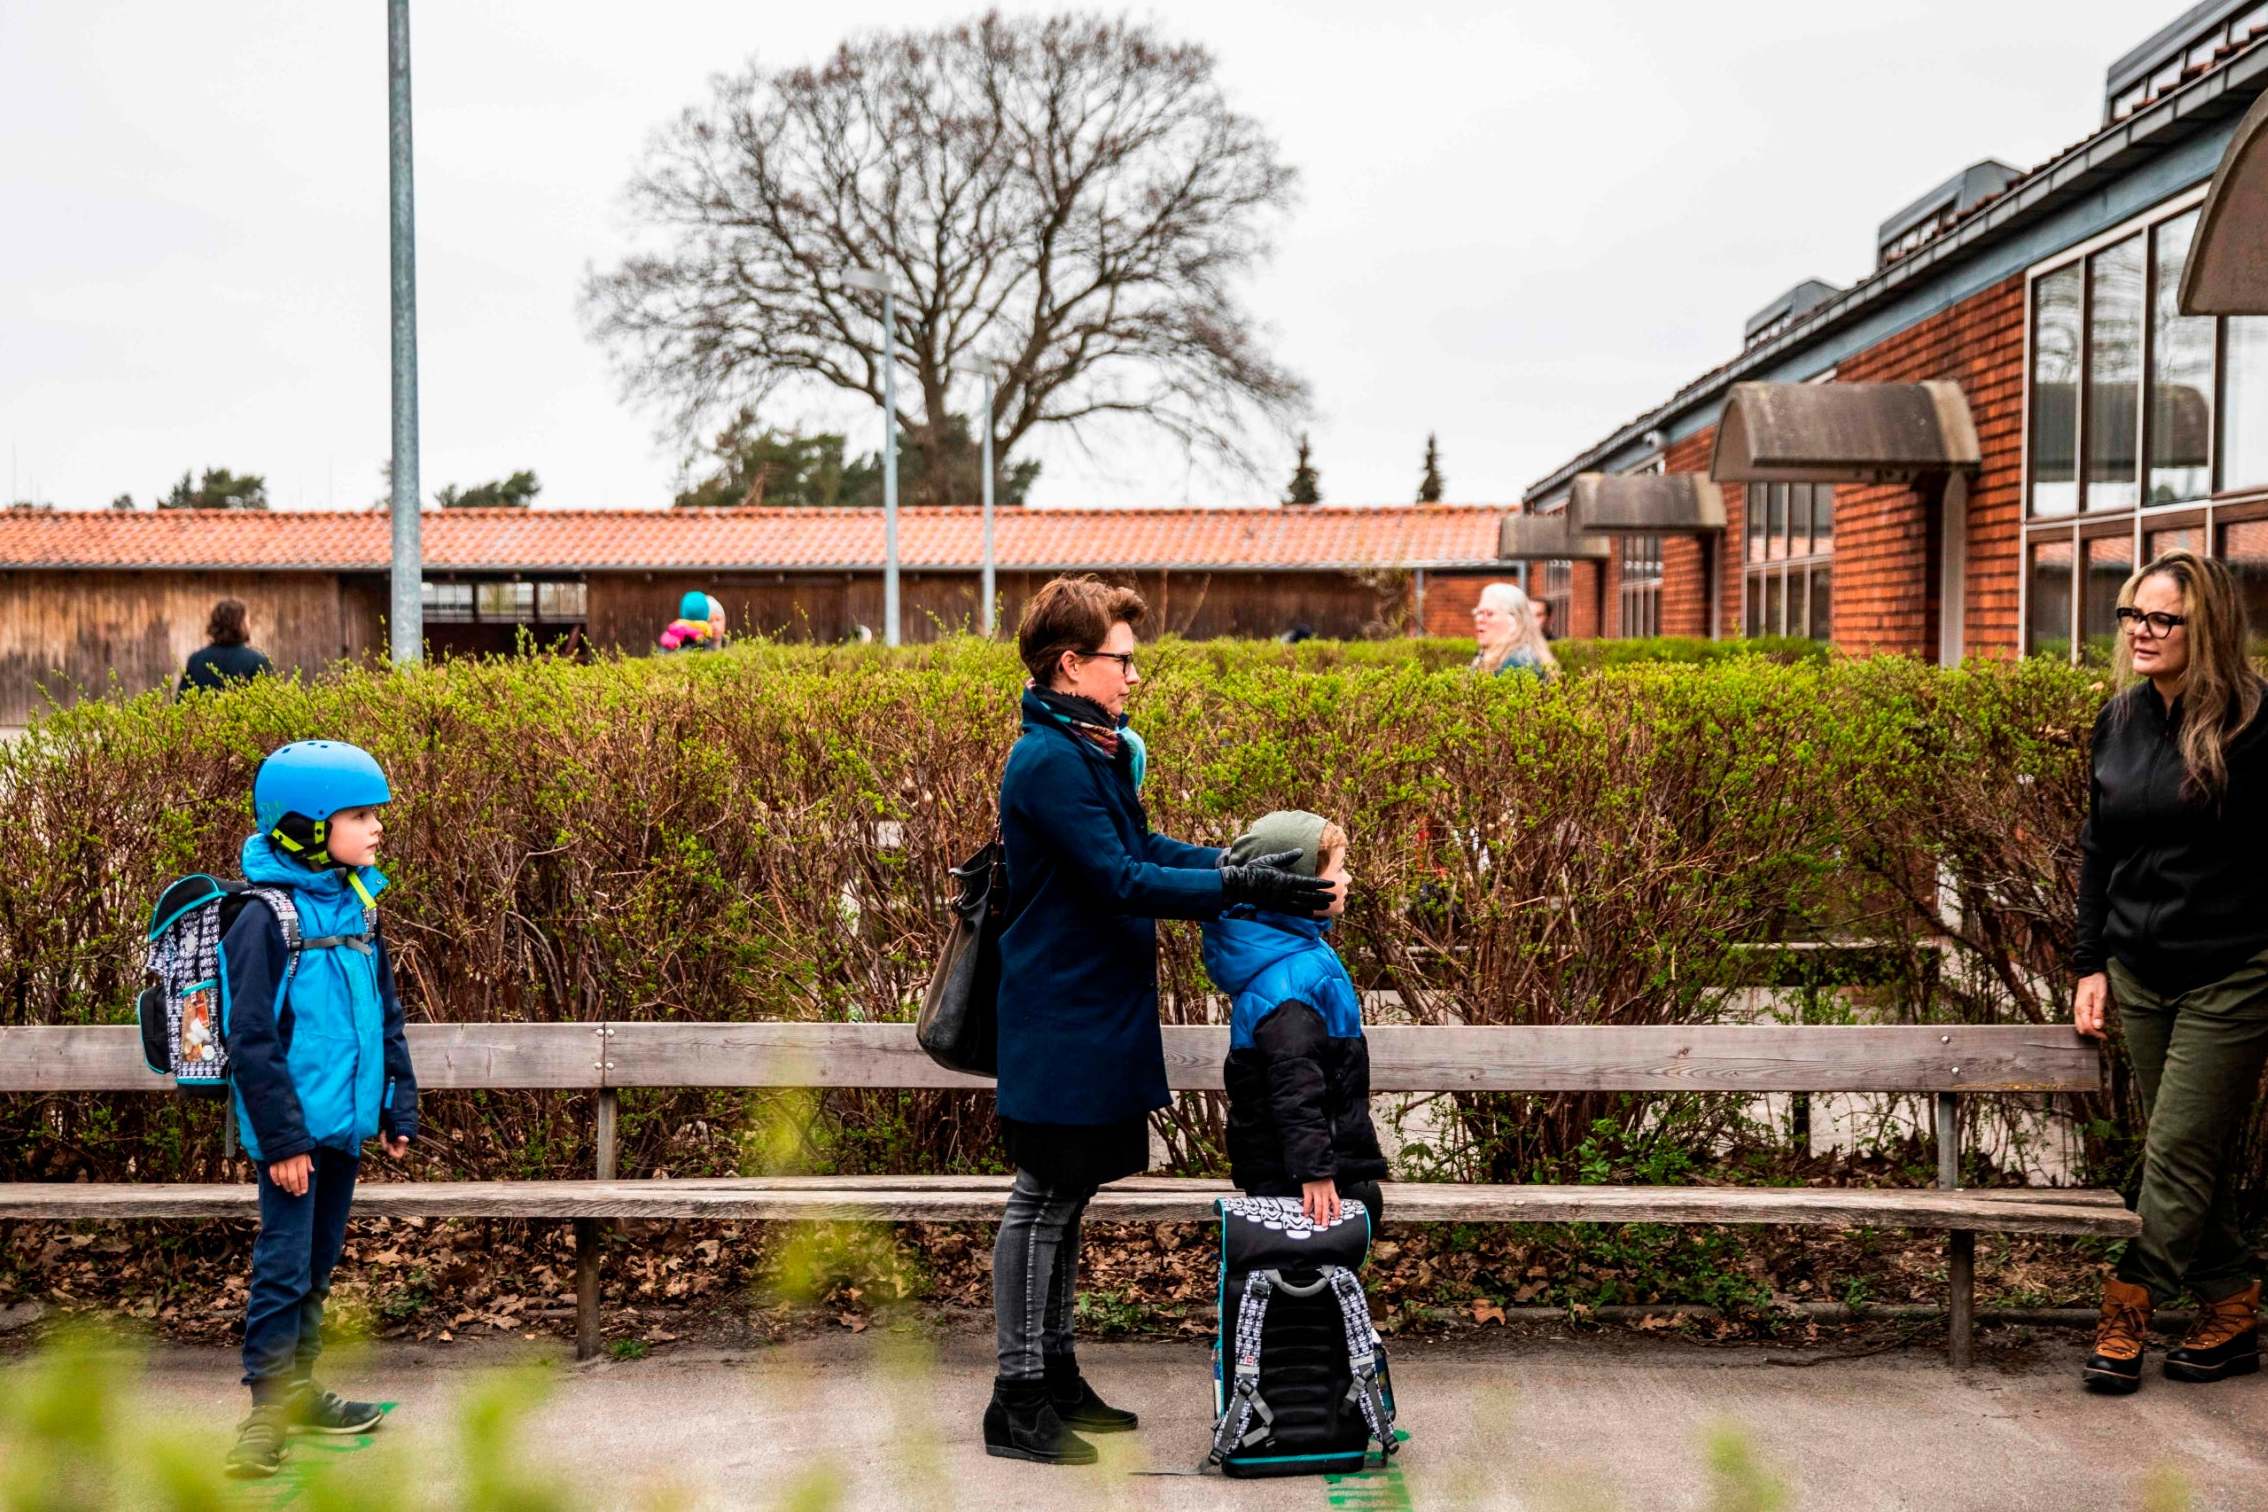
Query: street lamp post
<point>989,373</point>
<point>876,283</point>
<point>406,613</point>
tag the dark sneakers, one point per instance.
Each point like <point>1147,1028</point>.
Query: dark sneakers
<point>1021,1423</point>
<point>2116,1365</point>
<point>2224,1341</point>
<point>1077,1405</point>
<point>259,1450</point>
<point>314,1410</point>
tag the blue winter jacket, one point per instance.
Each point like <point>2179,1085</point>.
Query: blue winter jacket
<point>323,1061</point>
<point>1079,1040</point>
<point>1298,1068</point>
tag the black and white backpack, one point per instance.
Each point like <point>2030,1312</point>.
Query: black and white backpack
<point>180,1010</point>
<point>1299,1375</point>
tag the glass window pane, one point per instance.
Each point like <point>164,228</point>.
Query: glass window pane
<point>1799,519</point>
<point>2110,562</point>
<point>2158,542</point>
<point>2114,374</point>
<point>1822,602</point>
<point>2055,393</point>
<point>1776,520</point>
<point>2181,377</point>
<point>2244,404</point>
<point>506,601</point>
<point>558,602</point>
<point>1771,621</point>
<point>1752,614</point>
<point>2245,548</point>
<point>1752,508</point>
<point>447,601</point>
<point>1823,518</point>
<point>2048,622</point>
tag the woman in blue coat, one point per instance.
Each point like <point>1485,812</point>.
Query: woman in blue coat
<point>1082,1063</point>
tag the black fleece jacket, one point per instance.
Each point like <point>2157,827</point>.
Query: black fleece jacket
<point>1299,1106</point>
<point>2172,884</point>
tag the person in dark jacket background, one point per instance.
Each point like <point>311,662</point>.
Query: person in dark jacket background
<point>2173,927</point>
<point>1081,1059</point>
<point>1298,1069</point>
<point>228,657</point>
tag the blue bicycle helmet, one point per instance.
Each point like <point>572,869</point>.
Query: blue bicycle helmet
<point>301,785</point>
<point>694,606</point>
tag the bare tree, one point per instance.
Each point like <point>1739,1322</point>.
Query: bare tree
<point>1072,197</point>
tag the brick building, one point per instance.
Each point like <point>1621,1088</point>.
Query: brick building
<point>1967,451</point>
<point>89,598</point>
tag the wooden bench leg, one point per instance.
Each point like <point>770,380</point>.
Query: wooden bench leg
<point>586,1287</point>
<point>1961,1302</point>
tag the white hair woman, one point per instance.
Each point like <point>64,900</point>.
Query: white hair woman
<point>1504,623</point>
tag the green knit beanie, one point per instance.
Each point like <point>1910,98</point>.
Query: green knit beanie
<point>1283,830</point>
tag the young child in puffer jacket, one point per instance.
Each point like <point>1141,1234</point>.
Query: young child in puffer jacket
<point>320,1064</point>
<point>1298,1070</point>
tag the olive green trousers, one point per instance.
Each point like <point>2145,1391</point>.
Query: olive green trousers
<point>2198,1055</point>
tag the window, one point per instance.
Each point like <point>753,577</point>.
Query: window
<point>507,603</point>
<point>558,602</point>
<point>1559,592</point>
<point>2138,418</point>
<point>2055,393</point>
<point>2245,548</point>
<point>2181,376</point>
<point>447,601</point>
<point>1789,582</point>
<point>2114,375</point>
<point>1641,595</point>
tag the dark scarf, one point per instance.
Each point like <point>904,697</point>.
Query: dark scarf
<point>1084,717</point>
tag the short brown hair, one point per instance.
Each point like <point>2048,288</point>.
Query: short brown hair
<point>1331,842</point>
<point>226,627</point>
<point>1072,614</point>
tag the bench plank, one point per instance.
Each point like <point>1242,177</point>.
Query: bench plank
<point>903,1199</point>
<point>1430,1058</point>
<point>1403,1058</point>
<point>108,1057</point>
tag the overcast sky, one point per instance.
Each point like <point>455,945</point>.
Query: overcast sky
<point>1520,224</point>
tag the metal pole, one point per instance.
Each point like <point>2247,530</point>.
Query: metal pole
<point>889,468</point>
<point>407,616</point>
<point>988,553</point>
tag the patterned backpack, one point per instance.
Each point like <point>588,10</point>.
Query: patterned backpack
<point>1299,1375</point>
<point>180,1009</point>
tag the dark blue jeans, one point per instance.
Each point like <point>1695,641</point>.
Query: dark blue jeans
<point>298,1244</point>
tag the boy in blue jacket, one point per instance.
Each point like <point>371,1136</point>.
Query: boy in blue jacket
<point>320,1064</point>
<point>1298,1070</point>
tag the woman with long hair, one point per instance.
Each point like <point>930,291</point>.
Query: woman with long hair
<point>2173,931</point>
<point>1511,640</point>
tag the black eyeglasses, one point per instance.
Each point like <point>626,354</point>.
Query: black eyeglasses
<point>1125,659</point>
<point>2155,626</point>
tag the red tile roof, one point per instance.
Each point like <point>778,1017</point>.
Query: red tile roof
<point>1321,537</point>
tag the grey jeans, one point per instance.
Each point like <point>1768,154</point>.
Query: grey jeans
<point>1035,1272</point>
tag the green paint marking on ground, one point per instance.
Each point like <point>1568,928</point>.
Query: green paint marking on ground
<point>1383,1489</point>
<point>288,1486</point>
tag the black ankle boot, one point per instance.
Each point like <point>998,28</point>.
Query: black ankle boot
<point>1076,1403</point>
<point>1021,1423</point>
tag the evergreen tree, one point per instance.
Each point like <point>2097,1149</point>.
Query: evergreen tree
<point>218,489</point>
<point>1306,484</point>
<point>124,501</point>
<point>755,464</point>
<point>1430,487</point>
<point>516,492</point>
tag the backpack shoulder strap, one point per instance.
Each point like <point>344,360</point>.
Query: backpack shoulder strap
<point>1244,1403</point>
<point>279,901</point>
<point>1362,1356</point>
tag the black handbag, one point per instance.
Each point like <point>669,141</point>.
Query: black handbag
<point>959,1025</point>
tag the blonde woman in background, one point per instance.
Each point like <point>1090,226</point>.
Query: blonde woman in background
<point>1511,640</point>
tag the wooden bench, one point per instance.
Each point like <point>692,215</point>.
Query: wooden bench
<point>605,1059</point>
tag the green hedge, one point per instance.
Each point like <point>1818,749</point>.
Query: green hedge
<point>706,837</point>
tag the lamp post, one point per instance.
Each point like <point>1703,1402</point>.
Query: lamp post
<point>876,283</point>
<point>406,613</point>
<point>988,371</point>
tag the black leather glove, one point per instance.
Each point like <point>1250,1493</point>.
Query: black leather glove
<point>1263,883</point>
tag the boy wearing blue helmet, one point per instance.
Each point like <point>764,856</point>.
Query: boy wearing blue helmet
<point>314,1034</point>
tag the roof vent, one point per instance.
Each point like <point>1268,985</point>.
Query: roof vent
<point>1921,221</point>
<point>1786,311</point>
<point>2191,44</point>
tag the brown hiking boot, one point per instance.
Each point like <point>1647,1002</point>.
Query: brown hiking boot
<point>2116,1364</point>
<point>2223,1342</point>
